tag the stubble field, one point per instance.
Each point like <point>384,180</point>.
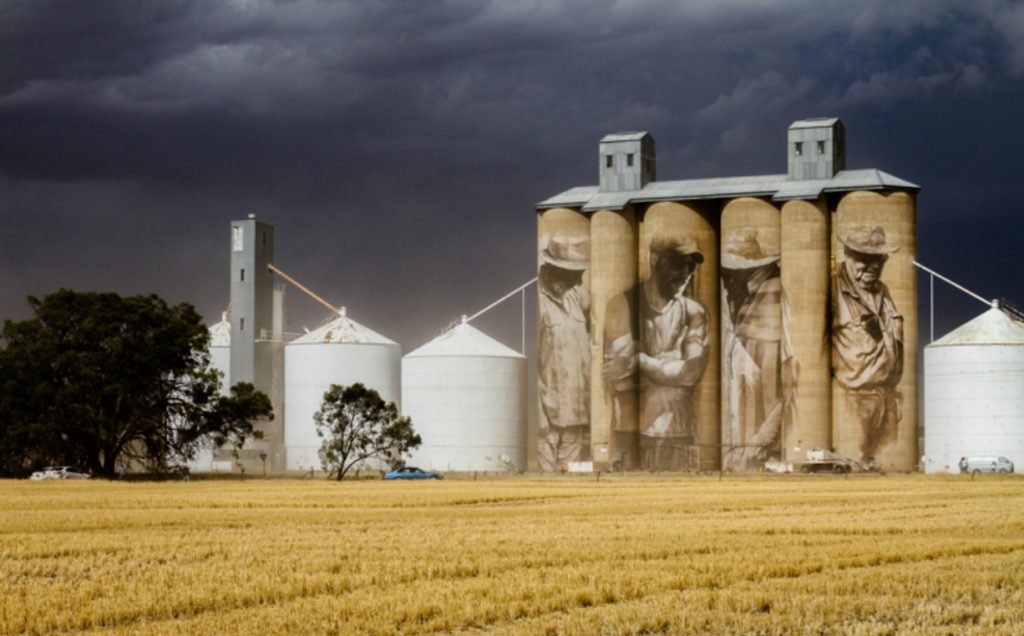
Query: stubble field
<point>864,555</point>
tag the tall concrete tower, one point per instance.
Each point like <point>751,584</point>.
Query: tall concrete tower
<point>256,347</point>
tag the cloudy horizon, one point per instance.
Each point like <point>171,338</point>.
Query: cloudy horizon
<point>399,147</point>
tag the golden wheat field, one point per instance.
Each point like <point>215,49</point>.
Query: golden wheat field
<point>623,555</point>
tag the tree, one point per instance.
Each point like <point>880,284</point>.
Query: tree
<point>356,424</point>
<point>96,378</point>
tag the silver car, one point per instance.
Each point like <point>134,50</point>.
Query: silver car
<point>989,464</point>
<point>68,472</point>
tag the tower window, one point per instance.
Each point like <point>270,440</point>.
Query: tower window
<point>629,160</point>
<point>607,161</point>
<point>798,148</point>
<point>264,237</point>
<point>236,238</point>
<point>241,324</point>
<point>242,276</point>
<point>821,147</point>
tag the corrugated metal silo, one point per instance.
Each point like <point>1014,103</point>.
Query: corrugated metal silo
<point>974,393</point>
<point>466,395</point>
<point>220,351</point>
<point>340,352</point>
<point>220,359</point>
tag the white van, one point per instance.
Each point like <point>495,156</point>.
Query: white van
<point>989,464</point>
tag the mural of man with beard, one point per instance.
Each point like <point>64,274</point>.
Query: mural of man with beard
<point>867,338</point>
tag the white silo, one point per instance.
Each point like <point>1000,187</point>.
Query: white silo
<point>220,359</point>
<point>220,351</point>
<point>466,395</point>
<point>974,393</point>
<point>340,352</point>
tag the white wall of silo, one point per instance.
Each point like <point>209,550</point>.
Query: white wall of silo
<point>220,360</point>
<point>974,404</point>
<point>311,368</point>
<point>470,411</point>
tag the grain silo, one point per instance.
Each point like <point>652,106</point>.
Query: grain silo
<point>339,352</point>
<point>974,392</point>
<point>466,395</point>
<point>220,351</point>
<point>220,360</point>
<point>874,329</point>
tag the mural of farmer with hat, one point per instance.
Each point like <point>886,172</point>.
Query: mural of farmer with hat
<point>563,350</point>
<point>756,351</point>
<point>667,342</point>
<point>867,337</point>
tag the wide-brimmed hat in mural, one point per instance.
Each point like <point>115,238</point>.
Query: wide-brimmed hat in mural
<point>566,253</point>
<point>867,239</point>
<point>743,251</point>
<point>683,245</point>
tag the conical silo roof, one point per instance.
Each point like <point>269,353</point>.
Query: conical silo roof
<point>343,330</point>
<point>220,333</point>
<point>994,327</point>
<point>464,340</point>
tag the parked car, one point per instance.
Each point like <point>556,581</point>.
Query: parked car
<point>411,472</point>
<point>989,464</point>
<point>46,473</point>
<point>63,472</point>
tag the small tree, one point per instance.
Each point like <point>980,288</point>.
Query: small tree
<point>356,424</point>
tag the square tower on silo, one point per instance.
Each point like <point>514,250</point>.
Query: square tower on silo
<point>628,161</point>
<point>252,303</point>
<point>816,148</point>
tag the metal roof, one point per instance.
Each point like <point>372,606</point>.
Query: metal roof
<point>778,187</point>
<point>625,136</point>
<point>994,327</point>
<point>464,340</point>
<point>342,330</point>
<point>814,122</point>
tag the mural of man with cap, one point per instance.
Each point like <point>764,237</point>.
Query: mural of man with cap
<point>867,337</point>
<point>756,352</point>
<point>667,342</point>
<point>563,353</point>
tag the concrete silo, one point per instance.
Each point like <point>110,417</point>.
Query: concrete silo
<point>874,329</point>
<point>613,280</point>
<point>340,352</point>
<point>679,349</point>
<point>753,352</point>
<point>466,395</point>
<point>564,336</point>
<point>974,393</point>
<point>805,284</point>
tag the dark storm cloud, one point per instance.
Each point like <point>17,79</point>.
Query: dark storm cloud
<point>399,146</point>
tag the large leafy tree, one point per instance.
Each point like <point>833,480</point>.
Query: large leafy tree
<point>356,425</point>
<point>96,378</point>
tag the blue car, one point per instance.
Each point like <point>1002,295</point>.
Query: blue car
<point>411,472</point>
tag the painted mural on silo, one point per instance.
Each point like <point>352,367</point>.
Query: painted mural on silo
<point>563,345</point>
<point>670,341</point>
<point>758,369</point>
<point>613,404</point>
<point>874,330</point>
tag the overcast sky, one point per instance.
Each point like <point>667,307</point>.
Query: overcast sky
<point>399,147</point>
